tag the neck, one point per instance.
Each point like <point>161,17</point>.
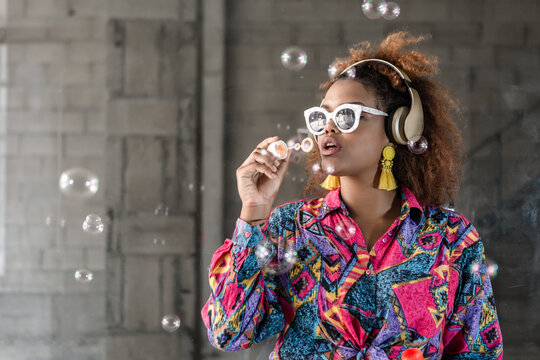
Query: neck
<point>367,204</point>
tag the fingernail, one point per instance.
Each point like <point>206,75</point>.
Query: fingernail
<point>276,163</point>
<point>274,168</point>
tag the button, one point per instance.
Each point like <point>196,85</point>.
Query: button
<point>368,313</point>
<point>368,271</point>
<point>247,234</point>
<point>384,240</point>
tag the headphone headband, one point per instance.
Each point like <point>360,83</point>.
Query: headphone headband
<point>398,70</point>
<point>407,123</point>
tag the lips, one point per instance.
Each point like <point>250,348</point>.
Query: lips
<point>329,146</point>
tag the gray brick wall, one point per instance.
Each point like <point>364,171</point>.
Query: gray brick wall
<point>108,85</point>
<point>112,85</point>
<point>151,128</point>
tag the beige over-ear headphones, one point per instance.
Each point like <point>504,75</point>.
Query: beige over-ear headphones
<point>406,123</point>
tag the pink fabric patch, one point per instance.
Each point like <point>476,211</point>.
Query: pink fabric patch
<point>416,302</point>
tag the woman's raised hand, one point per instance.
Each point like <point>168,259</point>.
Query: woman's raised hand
<point>259,179</point>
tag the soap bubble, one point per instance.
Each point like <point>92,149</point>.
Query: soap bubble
<point>51,220</point>
<point>161,210</point>
<point>316,167</point>
<point>293,141</point>
<point>332,70</point>
<point>83,275</point>
<point>392,11</point>
<point>374,9</point>
<point>264,252</point>
<point>418,147</point>
<point>78,183</point>
<point>170,322</point>
<point>294,58</point>
<point>93,224</point>
<point>158,241</point>
<point>276,256</point>
<point>330,169</point>
<point>345,228</point>
<point>307,144</point>
<point>288,260</point>
<point>492,268</point>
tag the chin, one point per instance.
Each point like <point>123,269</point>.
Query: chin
<point>330,167</point>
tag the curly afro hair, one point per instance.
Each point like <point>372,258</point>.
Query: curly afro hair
<point>433,176</point>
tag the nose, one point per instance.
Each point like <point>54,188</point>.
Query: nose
<point>331,127</point>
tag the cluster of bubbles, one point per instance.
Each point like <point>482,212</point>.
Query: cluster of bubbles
<point>375,9</point>
<point>276,256</point>
<point>295,58</point>
<point>80,183</point>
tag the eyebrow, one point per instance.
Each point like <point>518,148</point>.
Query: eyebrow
<point>354,102</point>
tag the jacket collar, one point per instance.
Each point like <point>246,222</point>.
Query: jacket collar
<point>409,205</point>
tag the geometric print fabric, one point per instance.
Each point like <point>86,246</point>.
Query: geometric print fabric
<point>423,285</point>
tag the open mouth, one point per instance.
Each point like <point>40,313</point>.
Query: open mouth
<point>329,146</point>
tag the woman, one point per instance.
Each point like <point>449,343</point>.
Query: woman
<point>379,264</point>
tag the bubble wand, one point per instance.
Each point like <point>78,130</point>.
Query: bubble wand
<point>281,150</point>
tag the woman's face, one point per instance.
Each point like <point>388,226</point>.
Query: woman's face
<point>359,151</point>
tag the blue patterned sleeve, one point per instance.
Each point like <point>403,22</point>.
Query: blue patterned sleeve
<point>472,331</point>
<point>244,306</point>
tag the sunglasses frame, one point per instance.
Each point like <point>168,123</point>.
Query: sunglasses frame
<point>357,108</point>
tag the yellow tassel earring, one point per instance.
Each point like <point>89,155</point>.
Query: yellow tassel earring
<point>331,183</point>
<point>387,181</point>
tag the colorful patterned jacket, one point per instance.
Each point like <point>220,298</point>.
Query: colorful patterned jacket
<point>306,275</point>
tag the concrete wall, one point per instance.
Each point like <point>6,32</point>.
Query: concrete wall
<point>120,87</point>
<point>111,86</point>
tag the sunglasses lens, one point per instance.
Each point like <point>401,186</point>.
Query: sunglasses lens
<point>345,119</point>
<point>317,121</point>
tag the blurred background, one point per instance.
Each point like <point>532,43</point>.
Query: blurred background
<point>122,123</point>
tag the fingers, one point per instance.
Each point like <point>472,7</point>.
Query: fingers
<point>267,159</point>
<point>262,161</point>
<point>264,144</point>
<point>263,169</point>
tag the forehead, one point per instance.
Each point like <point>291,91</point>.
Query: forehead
<point>349,91</point>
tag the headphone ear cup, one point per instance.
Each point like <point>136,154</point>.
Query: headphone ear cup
<point>397,124</point>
